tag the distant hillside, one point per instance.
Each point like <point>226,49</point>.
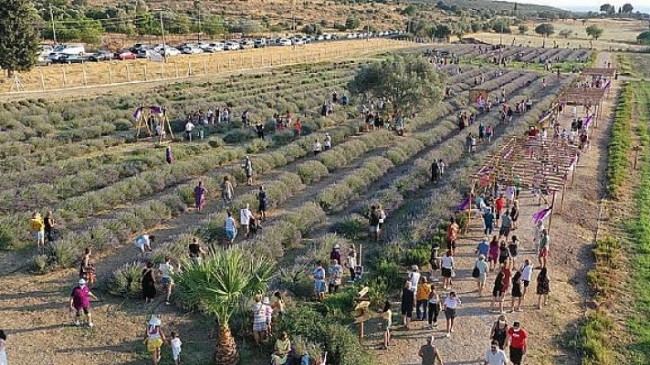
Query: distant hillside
<point>497,6</point>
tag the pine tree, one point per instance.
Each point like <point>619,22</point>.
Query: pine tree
<point>18,40</point>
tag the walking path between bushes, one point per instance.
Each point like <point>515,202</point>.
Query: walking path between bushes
<point>554,327</point>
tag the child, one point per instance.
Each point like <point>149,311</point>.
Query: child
<point>387,315</point>
<point>176,348</point>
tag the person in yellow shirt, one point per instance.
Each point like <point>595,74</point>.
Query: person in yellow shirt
<point>421,299</point>
<point>37,226</point>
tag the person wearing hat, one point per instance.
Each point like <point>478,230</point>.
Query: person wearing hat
<point>336,253</point>
<point>80,301</point>
<point>516,341</point>
<point>499,331</point>
<point>154,339</point>
<point>429,353</point>
<point>495,356</point>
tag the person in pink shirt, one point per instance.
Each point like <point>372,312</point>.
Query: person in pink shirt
<point>80,301</point>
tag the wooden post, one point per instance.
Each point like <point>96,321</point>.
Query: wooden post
<point>550,219</point>
<point>205,67</point>
<point>573,174</point>
<point>360,263</point>
<point>65,78</point>
<point>162,70</point>
<point>241,61</point>
<point>42,80</point>
<point>176,68</point>
<point>128,72</point>
<point>83,75</point>
<point>229,63</point>
<point>360,330</point>
<point>189,68</point>
<point>110,74</point>
<point>144,69</point>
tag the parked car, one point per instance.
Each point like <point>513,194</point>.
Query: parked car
<point>125,55</point>
<point>259,43</point>
<point>320,37</point>
<point>77,49</point>
<point>43,61</point>
<point>70,58</point>
<point>297,41</point>
<point>213,47</point>
<point>231,46</point>
<point>283,42</point>
<point>167,51</point>
<point>246,44</point>
<point>191,49</point>
<point>101,56</point>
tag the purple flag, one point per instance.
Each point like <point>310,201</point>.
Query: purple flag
<point>464,205</point>
<point>541,215</point>
<point>138,113</point>
<point>587,122</point>
<point>156,110</point>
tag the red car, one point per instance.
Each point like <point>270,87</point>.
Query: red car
<point>126,55</point>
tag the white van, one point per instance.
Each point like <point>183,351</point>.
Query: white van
<point>70,49</point>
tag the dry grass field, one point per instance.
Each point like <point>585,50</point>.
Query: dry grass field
<point>57,77</point>
<point>617,35</point>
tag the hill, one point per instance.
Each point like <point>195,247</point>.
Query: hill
<point>498,6</point>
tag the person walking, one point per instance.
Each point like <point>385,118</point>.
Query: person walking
<point>429,353</point>
<point>499,331</point>
<point>231,227</point>
<point>435,171</point>
<point>335,254</point>
<point>493,253</point>
<point>80,301</point>
<point>154,339</point>
<point>433,307</point>
<point>319,281</point>
<point>148,282</point>
<point>48,222</point>
<point>495,355</point>
<point>262,201</point>
<point>422,298</point>
<point>373,221</point>
<point>199,196</point>
<point>387,315</point>
<point>176,344</point>
<point>516,341</point>
<point>37,226</point>
<point>166,271</point>
<point>3,346</point>
<point>452,235</point>
<point>544,243</point>
<point>513,248</point>
<point>449,306</point>
<point>543,287</point>
<point>227,190</point>
<point>248,169</point>
<point>407,304</point>
<point>514,213</point>
<point>327,142</point>
<point>195,251</point>
<point>506,225</point>
<point>488,220</point>
<point>245,216</point>
<point>169,156</point>
<point>498,291</point>
<point>526,275</point>
<point>517,293</point>
<point>351,261</point>
<point>481,269</point>
<point>447,270</point>
<point>335,272</point>
<point>86,268</point>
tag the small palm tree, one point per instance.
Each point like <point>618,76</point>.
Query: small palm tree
<point>220,285</point>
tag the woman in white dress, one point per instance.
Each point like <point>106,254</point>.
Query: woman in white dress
<point>3,352</point>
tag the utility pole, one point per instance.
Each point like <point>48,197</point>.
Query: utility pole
<point>198,36</point>
<point>52,20</point>
<point>162,32</point>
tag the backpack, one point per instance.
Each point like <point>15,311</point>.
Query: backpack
<point>476,272</point>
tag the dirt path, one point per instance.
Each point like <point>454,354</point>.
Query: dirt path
<point>552,328</point>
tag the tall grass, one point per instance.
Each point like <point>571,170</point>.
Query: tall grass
<point>620,144</point>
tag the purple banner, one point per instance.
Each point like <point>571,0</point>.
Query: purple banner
<point>587,122</point>
<point>137,114</point>
<point>541,215</point>
<point>465,204</point>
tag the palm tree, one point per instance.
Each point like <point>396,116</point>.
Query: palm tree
<point>220,285</point>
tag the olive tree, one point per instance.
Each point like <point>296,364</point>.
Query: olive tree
<point>407,81</point>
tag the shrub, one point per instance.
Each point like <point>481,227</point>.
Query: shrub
<point>417,256</point>
<point>283,137</point>
<point>257,145</point>
<point>306,217</point>
<point>352,226</point>
<point>311,171</point>
<point>239,135</point>
<point>125,281</point>
<point>64,252</point>
<point>40,263</point>
<point>216,141</point>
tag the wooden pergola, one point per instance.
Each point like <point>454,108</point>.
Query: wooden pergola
<point>536,163</point>
<point>591,97</point>
<point>599,72</point>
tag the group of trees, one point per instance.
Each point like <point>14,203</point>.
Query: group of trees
<point>547,29</point>
<point>610,10</point>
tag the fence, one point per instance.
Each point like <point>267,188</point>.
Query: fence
<point>58,77</point>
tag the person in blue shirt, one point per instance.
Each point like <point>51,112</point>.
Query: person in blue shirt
<point>488,220</point>
<point>483,247</point>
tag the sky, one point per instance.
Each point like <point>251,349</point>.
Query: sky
<point>585,5</point>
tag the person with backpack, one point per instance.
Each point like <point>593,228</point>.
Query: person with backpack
<point>429,353</point>
<point>248,169</point>
<point>480,273</point>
